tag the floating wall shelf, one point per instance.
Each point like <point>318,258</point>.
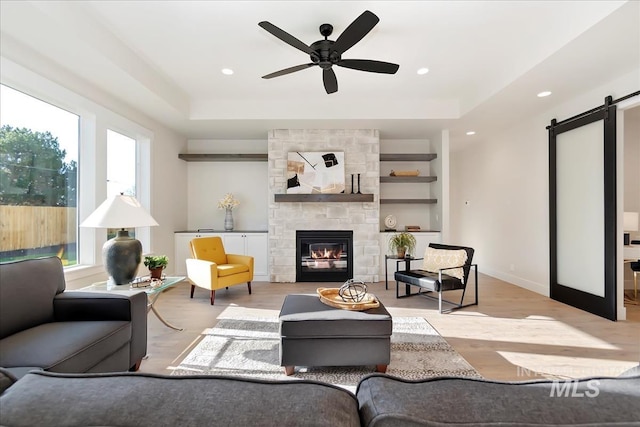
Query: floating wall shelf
<point>405,179</point>
<point>408,201</point>
<point>341,197</point>
<point>421,157</point>
<point>224,157</point>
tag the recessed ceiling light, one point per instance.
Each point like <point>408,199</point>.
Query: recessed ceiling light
<point>543,94</point>
<point>422,71</point>
<point>471,132</point>
<point>227,71</point>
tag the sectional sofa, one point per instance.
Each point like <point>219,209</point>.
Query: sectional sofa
<point>44,398</point>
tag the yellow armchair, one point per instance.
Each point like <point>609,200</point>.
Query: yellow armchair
<point>212,268</point>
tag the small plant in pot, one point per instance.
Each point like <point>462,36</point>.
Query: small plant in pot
<point>155,264</point>
<point>402,244</point>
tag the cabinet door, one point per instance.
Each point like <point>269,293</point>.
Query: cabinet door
<point>235,243</point>
<point>257,247</point>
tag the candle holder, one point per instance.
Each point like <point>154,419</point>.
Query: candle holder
<point>352,184</point>
<point>359,184</point>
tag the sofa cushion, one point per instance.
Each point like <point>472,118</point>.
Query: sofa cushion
<point>7,378</point>
<point>28,289</point>
<point>435,259</point>
<point>155,400</point>
<point>65,346</point>
<point>229,269</point>
<point>389,401</point>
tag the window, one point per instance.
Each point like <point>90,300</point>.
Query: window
<point>121,164</point>
<point>121,169</point>
<point>38,178</point>
<point>86,132</point>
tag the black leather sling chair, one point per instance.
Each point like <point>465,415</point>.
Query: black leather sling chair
<point>445,268</point>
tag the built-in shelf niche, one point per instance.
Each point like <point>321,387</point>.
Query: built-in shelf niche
<point>403,157</point>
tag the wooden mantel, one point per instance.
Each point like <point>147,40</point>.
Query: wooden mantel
<point>341,197</point>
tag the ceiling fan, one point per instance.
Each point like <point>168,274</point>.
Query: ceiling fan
<point>326,53</point>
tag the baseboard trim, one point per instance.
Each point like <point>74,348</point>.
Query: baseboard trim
<point>538,288</point>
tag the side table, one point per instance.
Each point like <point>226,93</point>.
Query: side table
<point>407,261</point>
<point>152,293</point>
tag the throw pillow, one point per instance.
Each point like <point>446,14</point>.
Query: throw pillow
<point>435,259</point>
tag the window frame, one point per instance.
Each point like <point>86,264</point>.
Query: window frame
<point>92,177</point>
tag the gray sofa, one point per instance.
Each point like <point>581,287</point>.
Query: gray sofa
<point>42,326</point>
<point>44,398</point>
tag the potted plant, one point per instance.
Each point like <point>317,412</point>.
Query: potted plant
<point>155,264</point>
<point>402,243</point>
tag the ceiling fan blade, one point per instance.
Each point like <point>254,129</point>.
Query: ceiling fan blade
<point>330,80</point>
<point>369,65</point>
<point>285,37</point>
<point>289,70</point>
<point>356,31</point>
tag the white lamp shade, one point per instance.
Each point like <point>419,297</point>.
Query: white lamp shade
<point>119,211</point>
<point>630,221</point>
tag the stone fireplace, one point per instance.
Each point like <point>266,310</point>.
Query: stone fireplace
<point>361,156</point>
<point>324,255</point>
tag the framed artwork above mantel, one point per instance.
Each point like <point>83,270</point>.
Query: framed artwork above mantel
<point>315,172</point>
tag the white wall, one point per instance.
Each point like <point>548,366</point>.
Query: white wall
<point>631,180</point>
<point>504,179</point>
<point>440,189</point>
<point>208,182</point>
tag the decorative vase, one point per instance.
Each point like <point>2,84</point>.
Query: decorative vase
<point>228,220</point>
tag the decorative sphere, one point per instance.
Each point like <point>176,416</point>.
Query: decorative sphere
<point>353,291</point>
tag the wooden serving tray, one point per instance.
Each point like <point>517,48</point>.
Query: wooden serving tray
<point>330,297</point>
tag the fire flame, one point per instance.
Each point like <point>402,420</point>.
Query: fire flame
<point>326,254</point>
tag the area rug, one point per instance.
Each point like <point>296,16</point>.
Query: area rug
<point>250,348</point>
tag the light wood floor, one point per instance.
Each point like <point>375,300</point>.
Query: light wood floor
<point>513,334</point>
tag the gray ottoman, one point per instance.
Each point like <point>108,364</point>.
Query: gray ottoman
<point>315,334</point>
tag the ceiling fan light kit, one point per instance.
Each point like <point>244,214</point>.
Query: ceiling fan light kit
<point>327,53</point>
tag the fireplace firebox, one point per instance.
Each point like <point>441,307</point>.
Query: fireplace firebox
<point>324,255</point>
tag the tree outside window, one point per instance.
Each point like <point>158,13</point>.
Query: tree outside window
<point>38,179</point>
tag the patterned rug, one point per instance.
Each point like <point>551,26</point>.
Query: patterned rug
<point>249,348</point>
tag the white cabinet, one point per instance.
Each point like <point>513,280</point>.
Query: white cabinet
<point>422,242</point>
<point>252,244</point>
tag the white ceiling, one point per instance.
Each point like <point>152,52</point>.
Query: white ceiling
<point>487,60</point>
